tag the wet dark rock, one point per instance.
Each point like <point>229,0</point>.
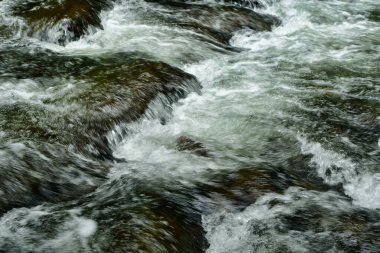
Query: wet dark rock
<point>184,143</point>
<point>61,135</point>
<point>61,21</point>
<point>238,189</point>
<point>337,115</point>
<point>142,216</point>
<point>349,229</point>
<point>217,22</point>
<point>109,90</point>
<point>123,94</point>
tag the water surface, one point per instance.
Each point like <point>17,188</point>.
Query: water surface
<point>288,117</point>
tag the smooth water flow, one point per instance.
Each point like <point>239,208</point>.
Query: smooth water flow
<point>235,126</point>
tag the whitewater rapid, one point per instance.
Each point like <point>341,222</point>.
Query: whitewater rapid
<point>300,100</point>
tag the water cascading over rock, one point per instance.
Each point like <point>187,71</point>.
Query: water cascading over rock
<point>105,91</point>
<point>60,21</point>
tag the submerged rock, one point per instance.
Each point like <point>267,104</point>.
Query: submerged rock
<point>151,218</point>
<point>123,94</point>
<point>135,214</point>
<point>128,214</point>
<point>61,21</point>
<point>374,15</point>
<point>35,172</point>
<point>216,21</point>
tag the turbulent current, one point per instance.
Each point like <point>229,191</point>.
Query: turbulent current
<point>189,126</point>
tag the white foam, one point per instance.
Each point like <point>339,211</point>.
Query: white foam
<point>125,30</point>
<point>71,234</point>
<point>365,190</point>
<point>332,166</point>
<point>22,90</point>
<point>361,185</point>
<point>29,92</point>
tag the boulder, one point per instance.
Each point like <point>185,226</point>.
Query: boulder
<point>106,91</point>
<point>55,147</point>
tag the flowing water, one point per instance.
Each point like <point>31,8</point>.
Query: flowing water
<point>286,128</point>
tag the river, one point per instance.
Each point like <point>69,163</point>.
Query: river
<point>191,126</point>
